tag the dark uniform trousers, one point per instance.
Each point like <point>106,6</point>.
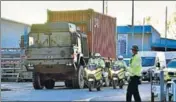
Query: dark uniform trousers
<point>132,89</point>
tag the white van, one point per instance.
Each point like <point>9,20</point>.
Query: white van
<point>150,60</point>
<point>170,55</point>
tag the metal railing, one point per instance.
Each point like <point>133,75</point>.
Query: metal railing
<point>10,76</point>
<point>171,91</point>
<point>11,63</point>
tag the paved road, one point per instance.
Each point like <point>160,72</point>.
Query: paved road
<point>25,92</point>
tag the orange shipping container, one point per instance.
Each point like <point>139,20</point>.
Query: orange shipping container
<point>100,28</point>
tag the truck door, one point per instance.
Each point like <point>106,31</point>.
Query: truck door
<point>79,44</point>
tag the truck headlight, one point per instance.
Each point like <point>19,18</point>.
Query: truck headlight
<point>30,65</point>
<point>69,64</point>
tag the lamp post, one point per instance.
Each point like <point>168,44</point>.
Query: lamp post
<point>166,30</point>
<point>132,21</point>
<point>143,31</point>
<point>103,6</point>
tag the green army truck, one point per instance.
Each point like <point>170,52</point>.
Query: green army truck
<point>56,51</point>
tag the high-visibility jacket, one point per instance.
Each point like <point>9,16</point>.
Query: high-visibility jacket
<point>91,61</point>
<point>121,64</point>
<point>135,66</point>
<point>99,62</point>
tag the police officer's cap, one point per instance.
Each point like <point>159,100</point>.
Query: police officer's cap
<point>135,47</point>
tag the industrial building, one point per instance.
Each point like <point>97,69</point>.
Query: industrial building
<point>11,53</point>
<point>11,32</point>
<point>152,40</point>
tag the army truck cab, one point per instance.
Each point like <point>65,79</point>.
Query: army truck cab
<point>57,51</point>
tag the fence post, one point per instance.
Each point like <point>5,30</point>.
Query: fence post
<point>162,96</point>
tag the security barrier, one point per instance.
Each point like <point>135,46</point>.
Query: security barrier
<point>11,65</point>
<point>163,91</point>
<point>171,91</point>
<point>158,89</point>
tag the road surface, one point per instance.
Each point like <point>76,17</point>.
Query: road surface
<point>25,92</point>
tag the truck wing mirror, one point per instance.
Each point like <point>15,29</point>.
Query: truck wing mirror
<point>158,65</point>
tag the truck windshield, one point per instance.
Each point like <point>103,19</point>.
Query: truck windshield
<point>148,61</point>
<point>171,64</point>
<point>50,39</point>
<point>60,39</point>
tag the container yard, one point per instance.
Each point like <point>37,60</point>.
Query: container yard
<point>88,51</point>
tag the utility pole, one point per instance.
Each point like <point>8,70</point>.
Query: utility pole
<point>106,7</point>
<point>166,30</point>
<point>143,31</point>
<point>103,6</point>
<point>132,21</point>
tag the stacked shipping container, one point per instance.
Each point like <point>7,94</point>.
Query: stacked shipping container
<point>101,29</point>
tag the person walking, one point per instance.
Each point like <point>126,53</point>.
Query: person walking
<point>135,73</point>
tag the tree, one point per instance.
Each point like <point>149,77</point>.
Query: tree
<point>148,20</point>
<point>171,25</point>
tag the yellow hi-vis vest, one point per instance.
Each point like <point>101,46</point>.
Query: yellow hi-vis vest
<point>135,66</point>
<point>99,62</point>
<point>121,64</point>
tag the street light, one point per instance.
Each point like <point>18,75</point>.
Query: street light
<point>166,29</point>
<point>132,21</point>
<point>103,6</point>
<point>143,31</point>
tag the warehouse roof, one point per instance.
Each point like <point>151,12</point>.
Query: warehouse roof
<point>138,29</point>
<point>148,29</point>
<point>5,19</point>
<point>170,43</point>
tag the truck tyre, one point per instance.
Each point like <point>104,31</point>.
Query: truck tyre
<point>79,81</point>
<point>37,83</point>
<point>49,84</point>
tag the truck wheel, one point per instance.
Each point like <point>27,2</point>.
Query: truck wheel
<point>37,83</point>
<point>49,84</point>
<point>81,77</point>
<point>79,82</point>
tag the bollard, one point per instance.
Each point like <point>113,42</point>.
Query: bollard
<point>171,96</point>
<point>174,89</point>
<point>162,98</point>
<point>169,85</point>
<point>152,93</point>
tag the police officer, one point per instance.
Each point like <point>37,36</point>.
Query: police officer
<point>120,62</point>
<point>91,60</point>
<point>108,63</point>
<point>135,71</point>
<point>99,61</point>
